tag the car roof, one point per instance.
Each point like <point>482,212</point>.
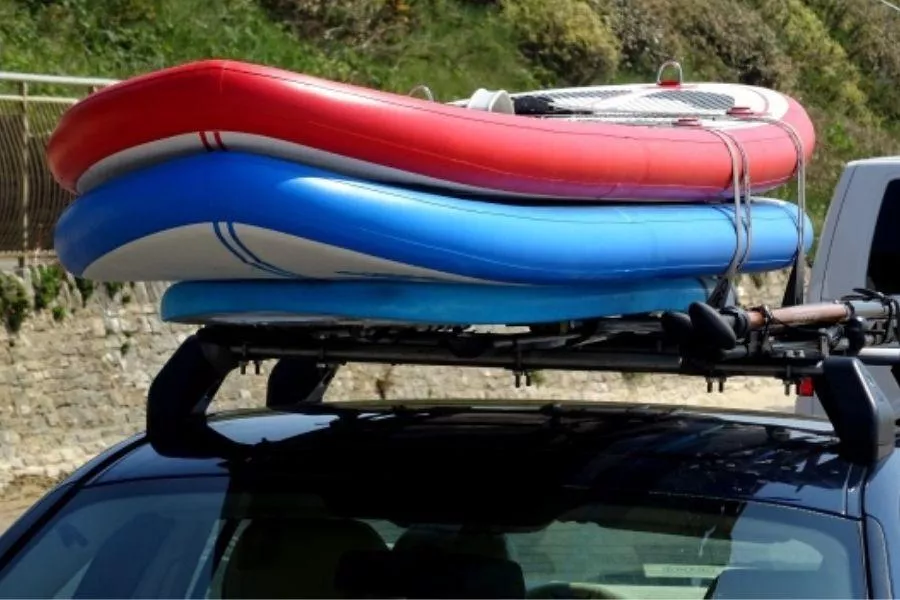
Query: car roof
<point>714,453</point>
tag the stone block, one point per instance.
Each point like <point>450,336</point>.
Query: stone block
<point>98,328</point>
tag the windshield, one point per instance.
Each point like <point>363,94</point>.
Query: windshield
<point>199,538</point>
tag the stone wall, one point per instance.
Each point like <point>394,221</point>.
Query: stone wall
<point>73,379</point>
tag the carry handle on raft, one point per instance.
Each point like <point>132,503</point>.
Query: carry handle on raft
<point>829,342</point>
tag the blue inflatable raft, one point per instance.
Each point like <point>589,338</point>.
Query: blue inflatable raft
<point>233,216</point>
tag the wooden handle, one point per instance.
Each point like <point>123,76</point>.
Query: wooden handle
<point>823,312</point>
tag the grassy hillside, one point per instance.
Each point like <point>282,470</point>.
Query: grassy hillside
<point>839,57</point>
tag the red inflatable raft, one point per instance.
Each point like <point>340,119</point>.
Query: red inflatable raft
<point>638,145</point>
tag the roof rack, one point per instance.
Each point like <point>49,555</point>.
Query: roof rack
<point>829,342</point>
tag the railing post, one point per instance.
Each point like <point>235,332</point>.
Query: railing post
<point>26,155</point>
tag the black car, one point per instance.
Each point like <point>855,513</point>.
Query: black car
<point>424,500</point>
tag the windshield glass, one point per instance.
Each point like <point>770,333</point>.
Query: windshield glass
<point>198,538</point>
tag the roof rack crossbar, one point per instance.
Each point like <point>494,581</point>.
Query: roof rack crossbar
<point>787,361</point>
<point>830,342</point>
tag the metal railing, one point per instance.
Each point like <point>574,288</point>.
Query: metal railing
<point>30,200</point>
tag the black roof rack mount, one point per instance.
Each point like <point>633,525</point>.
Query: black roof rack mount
<point>829,342</point>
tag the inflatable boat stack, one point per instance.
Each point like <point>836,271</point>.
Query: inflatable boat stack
<point>270,196</point>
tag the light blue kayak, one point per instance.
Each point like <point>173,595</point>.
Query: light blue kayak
<point>279,302</point>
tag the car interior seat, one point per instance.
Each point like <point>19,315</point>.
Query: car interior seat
<point>435,563</point>
<point>452,540</point>
<point>294,558</point>
<point>447,562</point>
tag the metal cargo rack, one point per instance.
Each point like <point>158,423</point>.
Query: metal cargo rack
<point>831,343</point>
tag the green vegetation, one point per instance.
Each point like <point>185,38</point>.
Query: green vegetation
<point>14,303</point>
<point>838,57</point>
<point>86,289</point>
<point>47,281</point>
<point>59,313</point>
